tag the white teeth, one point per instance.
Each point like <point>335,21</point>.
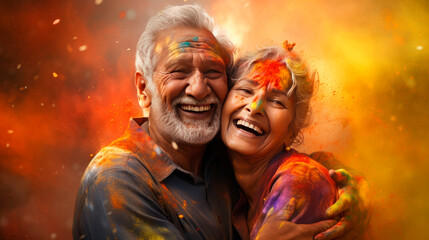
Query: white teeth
<point>194,108</point>
<point>249,125</point>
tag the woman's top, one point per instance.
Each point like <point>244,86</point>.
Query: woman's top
<point>289,176</point>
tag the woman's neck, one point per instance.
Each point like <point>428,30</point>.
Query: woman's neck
<point>248,172</point>
<point>250,175</point>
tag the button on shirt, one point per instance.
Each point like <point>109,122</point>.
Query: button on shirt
<point>132,190</point>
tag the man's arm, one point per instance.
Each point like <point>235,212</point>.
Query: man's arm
<point>354,201</point>
<point>328,160</point>
<point>119,205</point>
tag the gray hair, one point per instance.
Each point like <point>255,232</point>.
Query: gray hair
<point>300,87</point>
<point>172,16</point>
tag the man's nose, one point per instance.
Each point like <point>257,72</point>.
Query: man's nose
<point>197,86</point>
<point>256,106</point>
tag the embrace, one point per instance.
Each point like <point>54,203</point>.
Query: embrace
<point>214,160</point>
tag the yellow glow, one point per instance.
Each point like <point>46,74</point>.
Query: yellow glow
<point>370,107</point>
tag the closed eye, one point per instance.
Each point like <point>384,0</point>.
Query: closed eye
<point>278,103</point>
<point>245,90</point>
<point>213,74</point>
<point>179,73</point>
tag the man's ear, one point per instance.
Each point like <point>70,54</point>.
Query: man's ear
<point>142,92</point>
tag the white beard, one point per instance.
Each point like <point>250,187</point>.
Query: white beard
<point>186,131</point>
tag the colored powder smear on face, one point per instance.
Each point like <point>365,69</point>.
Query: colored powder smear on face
<point>184,45</point>
<point>257,104</point>
<point>213,50</point>
<point>175,47</point>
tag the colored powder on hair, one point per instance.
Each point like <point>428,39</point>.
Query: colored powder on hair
<point>271,74</point>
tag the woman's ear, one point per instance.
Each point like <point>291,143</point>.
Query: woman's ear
<point>289,141</point>
<point>142,92</point>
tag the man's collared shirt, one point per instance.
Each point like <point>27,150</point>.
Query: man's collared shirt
<point>132,190</point>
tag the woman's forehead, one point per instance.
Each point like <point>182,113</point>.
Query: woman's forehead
<point>270,74</point>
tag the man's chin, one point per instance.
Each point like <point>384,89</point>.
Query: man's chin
<point>195,134</point>
<point>182,129</point>
<point>197,124</point>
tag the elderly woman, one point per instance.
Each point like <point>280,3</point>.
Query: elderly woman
<point>262,116</point>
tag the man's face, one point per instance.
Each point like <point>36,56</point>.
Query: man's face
<point>190,83</point>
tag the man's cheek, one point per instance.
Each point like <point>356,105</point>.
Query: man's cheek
<point>220,87</point>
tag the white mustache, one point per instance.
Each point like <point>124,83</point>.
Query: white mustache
<point>187,100</point>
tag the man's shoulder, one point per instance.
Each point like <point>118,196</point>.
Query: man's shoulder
<point>114,160</point>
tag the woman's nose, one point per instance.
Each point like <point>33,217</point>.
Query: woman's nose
<point>256,106</point>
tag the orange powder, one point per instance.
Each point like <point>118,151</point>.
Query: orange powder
<point>271,74</point>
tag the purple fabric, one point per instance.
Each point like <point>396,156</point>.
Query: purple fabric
<point>289,175</point>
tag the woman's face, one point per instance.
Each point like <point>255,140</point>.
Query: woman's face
<point>257,112</point>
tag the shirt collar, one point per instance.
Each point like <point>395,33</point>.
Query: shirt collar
<point>161,165</point>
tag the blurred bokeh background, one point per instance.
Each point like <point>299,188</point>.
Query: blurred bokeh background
<point>66,90</point>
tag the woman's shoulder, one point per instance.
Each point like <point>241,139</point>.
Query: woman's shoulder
<point>307,182</point>
<point>300,167</point>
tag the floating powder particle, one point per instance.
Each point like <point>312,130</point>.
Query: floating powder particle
<point>174,144</point>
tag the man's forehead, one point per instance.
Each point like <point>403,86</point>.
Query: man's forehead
<point>183,40</point>
<point>183,33</point>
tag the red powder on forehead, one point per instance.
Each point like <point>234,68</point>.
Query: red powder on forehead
<point>271,74</point>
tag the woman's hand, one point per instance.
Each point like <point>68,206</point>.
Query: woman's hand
<point>353,204</point>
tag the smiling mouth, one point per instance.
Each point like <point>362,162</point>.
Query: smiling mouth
<point>248,127</point>
<point>196,108</point>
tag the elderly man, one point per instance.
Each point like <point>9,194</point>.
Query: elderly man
<point>163,179</point>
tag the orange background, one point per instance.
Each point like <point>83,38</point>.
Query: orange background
<point>67,90</point>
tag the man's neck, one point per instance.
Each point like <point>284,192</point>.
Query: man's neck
<point>187,156</point>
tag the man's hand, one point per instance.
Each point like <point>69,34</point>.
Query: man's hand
<point>277,225</point>
<point>353,204</point>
